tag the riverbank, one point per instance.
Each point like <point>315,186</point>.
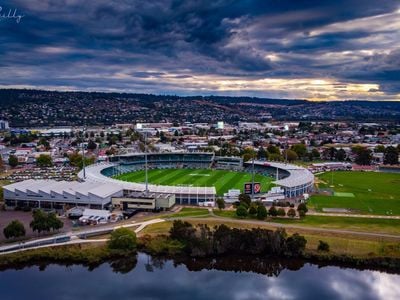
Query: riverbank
<point>90,255</point>
<point>352,251</point>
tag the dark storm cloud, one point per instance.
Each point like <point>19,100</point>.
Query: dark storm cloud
<point>147,46</point>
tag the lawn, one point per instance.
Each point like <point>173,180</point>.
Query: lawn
<point>221,179</point>
<point>190,212</point>
<point>347,223</point>
<point>339,243</point>
<point>360,192</point>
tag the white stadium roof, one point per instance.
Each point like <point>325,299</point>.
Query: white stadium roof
<point>101,190</point>
<point>297,175</point>
<point>93,174</point>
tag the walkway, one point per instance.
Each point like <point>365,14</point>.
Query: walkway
<point>73,237</point>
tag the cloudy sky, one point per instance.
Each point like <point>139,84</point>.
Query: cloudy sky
<point>316,50</point>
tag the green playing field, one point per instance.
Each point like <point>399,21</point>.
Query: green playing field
<point>360,192</point>
<point>221,179</point>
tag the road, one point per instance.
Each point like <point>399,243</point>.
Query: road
<point>73,237</point>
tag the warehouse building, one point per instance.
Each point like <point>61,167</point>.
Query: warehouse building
<point>59,195</point>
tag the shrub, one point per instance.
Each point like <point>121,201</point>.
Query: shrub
<point>291,213</point>
<point>281,212</point>
<point>303,207</point>
<point>272,211</point>
<point>122,239</point>
<point>302,214</point>
<point>253,209</point>
<point>14,230</point>
<point>296,244</point>
<point>245,198</point>
<point>323,246</point>
<point>261,212</point>
<point>220,203</point>
<point>241,211</point>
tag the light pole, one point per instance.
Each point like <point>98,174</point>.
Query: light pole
<point>145,164</point>
<point>83,153</point>
<point>252,178</point>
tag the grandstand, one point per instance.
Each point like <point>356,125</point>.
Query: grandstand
<point>294,180</point>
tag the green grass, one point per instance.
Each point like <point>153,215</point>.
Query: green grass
<point>340,244</point>
<point>190,212</point>
<point>374,193</point>
<point>221,179</point>
<point>347,223</point>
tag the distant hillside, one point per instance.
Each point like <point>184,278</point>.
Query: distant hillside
<point>31,108</point>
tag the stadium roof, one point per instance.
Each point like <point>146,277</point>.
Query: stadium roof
<point>297,175</point>
<point>101,190</point>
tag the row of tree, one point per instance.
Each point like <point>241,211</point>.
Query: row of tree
<point>41,222</point>
<point>201,240</point>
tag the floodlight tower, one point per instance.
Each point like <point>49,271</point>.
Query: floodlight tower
<point>144,133</point>
<point>83,153</point>
<point>145,164</point>
<point>252,178</point>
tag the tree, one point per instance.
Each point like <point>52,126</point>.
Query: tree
<point>363,155</point>
<point>91,145</point>
<point>44,160</point>
<point>220,203</point>
<point>275,157</point>
<point>281,212</point>
<point>76,160</point>
<point>14,229</point>
<point>45,143</point>
<point>241,211</point>
<point>272,211</point>
<point>290,155</point>
<point>315,154</point>
<point>262,154</point>
<point>2,167</point>
<point>54,222</point>
<point>303,207</point>
<point>13,161</point>
<point>391,156</point>
<point>40,221</point>
<point>122,239</point>
<point>296,244</point>
<point>340,155</point>
<point>253,208</point>
<point>261,212</point>
<point>379,149</point>
<point>245,198</point>
<point>323,246</point>
<point>273,149</point>
<point>291,213</point>
<point>300,150</point>
<point>181,231</point>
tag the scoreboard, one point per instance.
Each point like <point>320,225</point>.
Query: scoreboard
<point>250,189</point>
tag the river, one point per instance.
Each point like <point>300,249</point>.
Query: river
<point>144,277</point>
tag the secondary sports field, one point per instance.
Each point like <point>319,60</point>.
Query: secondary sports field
<point>221,179</point>
<point>360,192</point>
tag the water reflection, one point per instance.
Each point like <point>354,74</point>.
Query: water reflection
<point>144,277</point>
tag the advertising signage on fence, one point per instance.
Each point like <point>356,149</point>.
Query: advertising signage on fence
<point>248,188</point>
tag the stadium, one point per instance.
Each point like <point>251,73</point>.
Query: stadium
<point>193,177</point>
